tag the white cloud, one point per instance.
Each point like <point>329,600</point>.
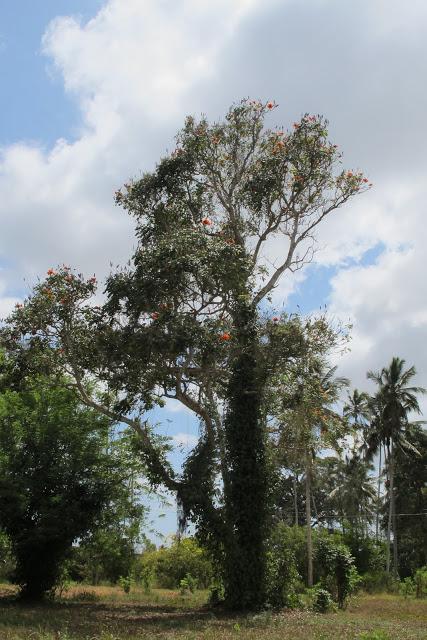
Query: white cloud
<point>186,440</point>
<point>386,301</point>
<point>130,69</point>
<point>138,67</point>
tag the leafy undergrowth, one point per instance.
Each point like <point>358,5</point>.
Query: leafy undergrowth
<point>106,613</point>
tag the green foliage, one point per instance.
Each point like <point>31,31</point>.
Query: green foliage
<point>188,584</point>
<point>369,554</point>
<point>282,573</point>
<point>407,587</point>
<point>126,582</point>
<point>378,581</point>
<point>411,498</point>
<point>7,562</point>
<point>172,564</point>
<point>56,478</point>
<point>420,581</point>
<point>321,600</point>
<point>335,569</point>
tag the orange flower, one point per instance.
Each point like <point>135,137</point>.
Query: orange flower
<point>92,280</point>
<point>225,336</point>
<point>275,319</point>
<point>50,272</point>
<point>349,174</point>
<point>365,180</point>
<point>206,222</point>
<point>155,315</point>
<point>270,105</point>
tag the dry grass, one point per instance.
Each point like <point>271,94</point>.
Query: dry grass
<point>168,616</point>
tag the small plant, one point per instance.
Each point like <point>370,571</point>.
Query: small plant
<point>125,582</point>
<point>146,576</point>
<point>187,584</point>
<point>407,587</point>
<point>216,592</point>
<point>322,601</point>
<point>420,582</point>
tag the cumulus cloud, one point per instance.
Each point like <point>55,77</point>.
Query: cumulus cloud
<point>137,67</point>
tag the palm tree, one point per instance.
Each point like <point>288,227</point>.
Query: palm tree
<point>353,494</point>
<point>357,410</point>
<point>391,407</point>
<point>310,422</point>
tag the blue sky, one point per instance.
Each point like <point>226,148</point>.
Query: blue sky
<point>34,105</point>
<point>115,91</point>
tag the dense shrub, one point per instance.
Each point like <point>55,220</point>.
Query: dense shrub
<point>369,554</point>
<point>378,581</point>
<point>172,564</point>
<point>321,600</point>
<point>335,570</point>
<point>420,581</point>
<point>282,573</point>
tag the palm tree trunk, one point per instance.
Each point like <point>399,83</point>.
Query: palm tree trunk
<point>390,506</point>
<point>296,498</point>
<point>393,512</point>
<point>308,519</point>
<point>377,525</point>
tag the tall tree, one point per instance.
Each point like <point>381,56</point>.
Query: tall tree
<point>183,321</point>
<point>394,402</point>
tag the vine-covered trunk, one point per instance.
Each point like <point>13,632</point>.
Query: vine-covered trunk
<point>246,494</point>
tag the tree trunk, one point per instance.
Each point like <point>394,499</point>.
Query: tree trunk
<point>308,519</point>
<point>296,498</point>
<point>390,506</point>
<point>247,492</point>
<point>393,514</point>
<point>377,524</point>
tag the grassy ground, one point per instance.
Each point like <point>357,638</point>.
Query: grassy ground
<point>168,616</point>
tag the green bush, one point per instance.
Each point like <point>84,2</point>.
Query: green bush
<point>282,577</point>
<point>125,582</point>
<point>172,564</point>
<point>187,585</point>
<point>335,570</point>
<point>420,581</point>
<point>378,582</point>
<point>369,554</point>
<point>407,587</point>
<point>321,600</point>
